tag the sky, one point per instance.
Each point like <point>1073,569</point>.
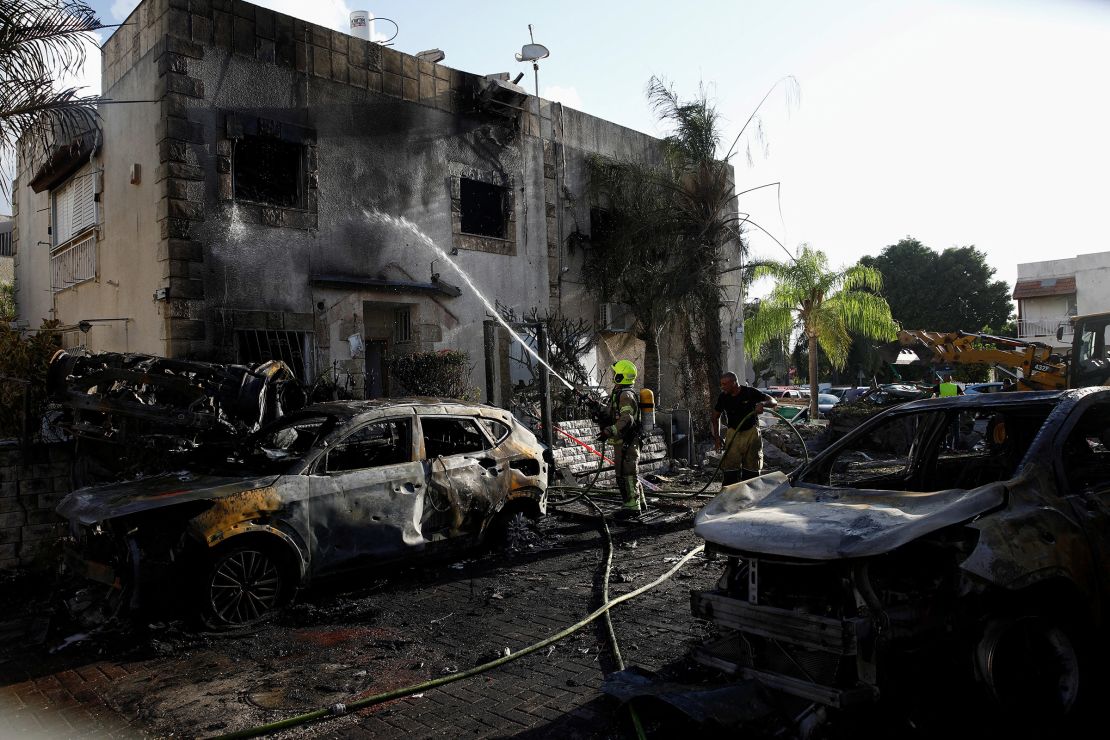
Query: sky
<point>980,122</point>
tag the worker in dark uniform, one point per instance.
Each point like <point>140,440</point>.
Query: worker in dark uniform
<point>741,406</point>
<point>622,433</point>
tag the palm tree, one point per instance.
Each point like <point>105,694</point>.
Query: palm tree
<point>826,306</point>
<point>42,41</point>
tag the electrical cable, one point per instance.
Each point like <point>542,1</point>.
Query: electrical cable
<point>341,709</point>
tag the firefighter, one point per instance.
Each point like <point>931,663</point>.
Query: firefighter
<point>621,430</point>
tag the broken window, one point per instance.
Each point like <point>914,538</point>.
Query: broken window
<point>386,442</point>
<point>268,170</point>
<point>294,348</point>
<point>881,459</point>
<point>936,450</point>
<point>446,436</point>
<point>484,211</point>
<point>292,440</point>
<point>1086,453</point>
<point>496,430</point>
<point>982,446</point>
<point>601,225</point>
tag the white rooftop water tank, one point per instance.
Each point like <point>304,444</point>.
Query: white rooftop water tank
<point>362,24</point>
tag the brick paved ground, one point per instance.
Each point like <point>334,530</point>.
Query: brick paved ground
<point>374,632</point>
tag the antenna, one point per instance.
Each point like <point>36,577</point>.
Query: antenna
<point>533,53</point>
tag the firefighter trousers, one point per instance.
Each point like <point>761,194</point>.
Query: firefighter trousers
<point>626,458</point>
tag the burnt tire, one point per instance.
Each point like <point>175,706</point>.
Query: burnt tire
<point>514,528</point>
<point>1030,666</point>
<point>243,585</point>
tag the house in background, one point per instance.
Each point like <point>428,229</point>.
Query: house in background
<point>282,190</point>
<point>1049,293</point>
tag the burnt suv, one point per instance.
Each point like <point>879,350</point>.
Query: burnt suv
<point>327,488</point>
<point>959,545</point>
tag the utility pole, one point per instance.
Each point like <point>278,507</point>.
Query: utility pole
<point>545,387</point>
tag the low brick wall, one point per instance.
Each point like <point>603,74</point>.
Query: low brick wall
<point>583,463</point>
<point>31,485</point>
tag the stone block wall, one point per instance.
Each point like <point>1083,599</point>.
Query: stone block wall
<point>31,485</point>
<point>583,463</point>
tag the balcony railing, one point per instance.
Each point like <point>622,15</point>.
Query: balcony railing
<point>74,264</point>
<point>1044,327</point>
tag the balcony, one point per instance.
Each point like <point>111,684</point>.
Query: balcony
<point>1044,327</point>
<point>74,263</point>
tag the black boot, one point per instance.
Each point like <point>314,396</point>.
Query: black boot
<point>728,477</point>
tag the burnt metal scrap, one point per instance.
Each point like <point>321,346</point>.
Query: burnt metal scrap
<point>951,545</point>
<point>153,401</point>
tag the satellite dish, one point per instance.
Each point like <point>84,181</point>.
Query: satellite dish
<point>532,53</point>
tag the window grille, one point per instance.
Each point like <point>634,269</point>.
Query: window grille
<point>73,264</point>
<point>402,325</point>
<point>6,247</point>
<point>294,348</point>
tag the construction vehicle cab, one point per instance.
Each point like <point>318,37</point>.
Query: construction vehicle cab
<point>1090,350</point>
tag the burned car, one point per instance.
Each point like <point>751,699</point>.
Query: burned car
<point>957,545</point>
<point>331,487</point>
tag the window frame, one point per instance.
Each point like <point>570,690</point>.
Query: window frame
<point>301,175</point>
<point>458,417</point>
<point>403,419</point>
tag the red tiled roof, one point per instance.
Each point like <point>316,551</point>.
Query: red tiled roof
<point>1044,287</point>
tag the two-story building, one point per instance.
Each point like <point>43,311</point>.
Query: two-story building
<point>1049,293</point>
<point>262,187</point>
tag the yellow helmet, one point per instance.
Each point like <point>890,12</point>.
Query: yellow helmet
<point>625,372</point>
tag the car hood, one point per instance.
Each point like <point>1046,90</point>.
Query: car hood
<point>768,515</point>
<point>97,503</point>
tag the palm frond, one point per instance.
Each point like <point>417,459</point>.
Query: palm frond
<point>39,37</point>
<point>771,321</point>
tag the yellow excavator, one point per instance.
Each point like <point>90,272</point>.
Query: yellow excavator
<point>1035,366</point>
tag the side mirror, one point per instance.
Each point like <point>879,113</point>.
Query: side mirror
<point>1059,333</point>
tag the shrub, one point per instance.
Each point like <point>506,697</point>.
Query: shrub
<point>445,373</point>
<point>24,358</point>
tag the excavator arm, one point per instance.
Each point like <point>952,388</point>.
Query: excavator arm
<point>1041,369</point>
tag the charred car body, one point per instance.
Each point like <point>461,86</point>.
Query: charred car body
<point>962,539</point>
<point>330,487</point>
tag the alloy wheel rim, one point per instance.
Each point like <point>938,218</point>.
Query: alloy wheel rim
<point>244,587</point>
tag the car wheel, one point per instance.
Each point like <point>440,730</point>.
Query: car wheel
<point>514,529</point>
<point>242,586</point>
<point>1030,666</point>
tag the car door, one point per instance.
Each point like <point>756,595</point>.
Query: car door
<point>367,496</point>
<point>465,481</point>
<point>1083,472</point>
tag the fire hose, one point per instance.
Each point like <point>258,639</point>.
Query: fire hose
<point>341,709</point>
<point>602,611</point>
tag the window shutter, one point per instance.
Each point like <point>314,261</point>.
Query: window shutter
<point>84,207</point>
<point>62,214</point>
<point>74,208</point>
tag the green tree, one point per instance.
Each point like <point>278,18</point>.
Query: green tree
<point>941,291</point>
<point>672,229</point>
<point>7,302</point>
<point>41,42</point>
<point>823,305</point>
